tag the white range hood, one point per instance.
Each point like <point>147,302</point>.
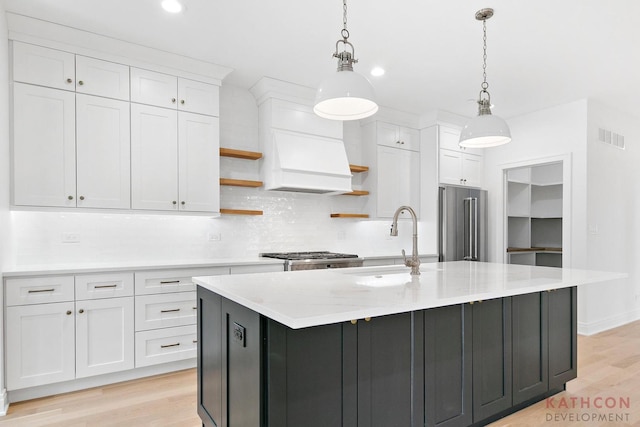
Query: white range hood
<point>307,163</point>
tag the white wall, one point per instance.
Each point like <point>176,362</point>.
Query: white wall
<point>4,178</point>
<point>603,205</point>
<point>291,221</point>
<point>613,210</point>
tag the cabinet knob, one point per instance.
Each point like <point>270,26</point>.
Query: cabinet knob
<point>68,312</point>
<point>81,197</point>
<point>182,101</point>
<point>70,197</point>
<point>182,203</point>
<point>173,100</point>
<point>174,202</point>
<point>80,82</point>
<point>81,311</point>
<point>69,81</point>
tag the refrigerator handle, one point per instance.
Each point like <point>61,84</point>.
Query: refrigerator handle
<point>442,211</point>
<point>471,235</point>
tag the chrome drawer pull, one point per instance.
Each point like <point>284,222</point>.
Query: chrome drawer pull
<point>195,308</point>
<point>105,286</point>
<point>170,311</point>
<point>35,291</point>
<point>170,345</point>
<point>195,341</point>
<point>165,282</point>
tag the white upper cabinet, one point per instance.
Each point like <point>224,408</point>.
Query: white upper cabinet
<point>163,90</point>
<point>103,152</point>
<point>44,163</point>
<point>398,136</point>
<point>43,66</point>
<point>458,165</point>
<point>149,87</point>
<point>198,163</point>
<point>198,97</point>
<point>102,78</point>
<point>154,151</point>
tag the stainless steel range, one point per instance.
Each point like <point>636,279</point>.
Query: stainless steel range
<point>315,260</point>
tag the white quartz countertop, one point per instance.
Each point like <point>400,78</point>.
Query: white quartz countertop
<point>300,299</point>
<point>101,267</point>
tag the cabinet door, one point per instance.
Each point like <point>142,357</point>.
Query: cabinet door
<point>388,134</point>
<point>386,389</point>
<point>198,97</point>
<point>447,370</point>
<point>451,167</point>
<point>409,139</point>
<point>398,180</point>
<point>562,336</point>
<point>43,66</point>
<point>103,152</point>
<point>40,344</point>
<point>491,357</point>
<point>472,170</point>
<point>44,156</point>
<point>149,87</point>
<point>199,163</point>
<point>102,78</point>
<point>154,148</point>
<point>530,346</point>
<point>104,336</point>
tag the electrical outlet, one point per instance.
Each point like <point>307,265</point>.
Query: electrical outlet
<point>70,237</point>
<point>214,237</point>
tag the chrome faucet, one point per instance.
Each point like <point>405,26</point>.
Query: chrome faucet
<point>414,262</point>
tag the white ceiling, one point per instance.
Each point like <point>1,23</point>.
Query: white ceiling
<point>540,52</point>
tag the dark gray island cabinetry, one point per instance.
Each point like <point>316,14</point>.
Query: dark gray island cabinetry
<point>457,365</point>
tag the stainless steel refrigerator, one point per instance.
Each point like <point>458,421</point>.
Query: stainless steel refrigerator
<point>462,233</point>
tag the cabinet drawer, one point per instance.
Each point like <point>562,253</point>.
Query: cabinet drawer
<point>159,282</point>
<point>165,310</point>
<point>166,345</point>
<point>93,286</point>
<point>43,66</point>
<point>267,268</point>
<point>39,290</point>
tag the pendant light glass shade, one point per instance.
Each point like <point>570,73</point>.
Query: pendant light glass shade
<point>345,95</point>
<point>485,130</point>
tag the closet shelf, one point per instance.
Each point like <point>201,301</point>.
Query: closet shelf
<point>357,193</point>
<point>535,249</point>
<point>240,154</point>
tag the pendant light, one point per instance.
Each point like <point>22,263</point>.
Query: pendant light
<point>345,95</point>
<point>485,130</point>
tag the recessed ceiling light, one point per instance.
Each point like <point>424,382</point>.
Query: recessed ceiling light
<point>172,6</point>
<point>377,71</point>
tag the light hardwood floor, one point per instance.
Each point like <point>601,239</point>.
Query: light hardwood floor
<point>608,367</point>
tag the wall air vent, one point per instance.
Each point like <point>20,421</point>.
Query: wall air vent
<point>611,138</point>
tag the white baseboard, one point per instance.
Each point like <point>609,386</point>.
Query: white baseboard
<point>4,402</point>
<point>97,381</point>
<point>608,323</point>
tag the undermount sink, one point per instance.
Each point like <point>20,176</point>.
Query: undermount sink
<point>377,277</point>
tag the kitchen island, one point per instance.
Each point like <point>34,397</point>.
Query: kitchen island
<point>464,343</point>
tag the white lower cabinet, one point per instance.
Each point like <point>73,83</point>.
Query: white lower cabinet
<point>40,344</point>
<point>104,336</point>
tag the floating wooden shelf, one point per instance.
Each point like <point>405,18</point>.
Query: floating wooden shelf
<point>240,154</point>
<point>240,182</point>
<point>348,215</point>
<point>357,193</point>
<point>239,212</point>
<point>358,169</point>
<point>536,249</point>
